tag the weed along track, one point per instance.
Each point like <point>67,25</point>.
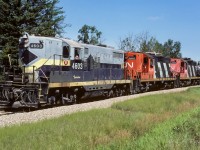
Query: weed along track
<point>37,115</point>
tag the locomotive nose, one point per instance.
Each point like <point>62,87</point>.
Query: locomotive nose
<point>26,56</point>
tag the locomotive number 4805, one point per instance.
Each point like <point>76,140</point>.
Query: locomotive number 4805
<point>77,65</point>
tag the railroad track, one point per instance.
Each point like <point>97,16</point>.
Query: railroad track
<point>2,113</point>
<point>11,118</point>
<point>7,111</point>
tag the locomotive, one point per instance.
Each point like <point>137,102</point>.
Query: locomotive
<point>60,71</point>
<point>57,70</point>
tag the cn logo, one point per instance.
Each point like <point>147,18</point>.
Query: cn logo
<point>130,65</point>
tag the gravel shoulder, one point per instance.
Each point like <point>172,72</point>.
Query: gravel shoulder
<point>34,116</point>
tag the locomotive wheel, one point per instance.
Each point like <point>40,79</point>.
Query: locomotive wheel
<point>120,92</point>
<point>5,94</point>
<point>29,98</point>
<point>110,94</point>
<point>71,99</point>
<point>62,101</point>
<point>74,99</point>
<point>116,93</point>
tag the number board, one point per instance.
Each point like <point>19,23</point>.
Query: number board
<point>77,65</point>
<point>36,45</point>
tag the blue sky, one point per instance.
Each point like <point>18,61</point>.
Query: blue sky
<point>178,20</point>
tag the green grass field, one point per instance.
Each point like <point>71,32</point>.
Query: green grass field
<point>167,121</point>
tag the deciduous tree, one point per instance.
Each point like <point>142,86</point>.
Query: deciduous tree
<point>172,49</point>
<point>89,35</point>
<point>127,43</point>
<point>143,42</point>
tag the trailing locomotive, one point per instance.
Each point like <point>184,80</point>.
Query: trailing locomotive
<point>57,70</point>
<point>185,71</point>
<point>148,70</point>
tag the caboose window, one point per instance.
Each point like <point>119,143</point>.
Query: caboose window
<point>65,51</point>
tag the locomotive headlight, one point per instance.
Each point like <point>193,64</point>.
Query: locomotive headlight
<point>24,41</point>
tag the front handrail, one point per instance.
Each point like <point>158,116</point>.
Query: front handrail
<point>46,61</point>
<point>60,63</point>
<point>42,73</point>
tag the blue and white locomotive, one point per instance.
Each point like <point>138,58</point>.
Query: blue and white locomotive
<point>59,70</point>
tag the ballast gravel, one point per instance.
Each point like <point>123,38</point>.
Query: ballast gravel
<point>34,116</point>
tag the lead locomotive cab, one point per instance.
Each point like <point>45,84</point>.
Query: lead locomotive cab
<point>72,55</point>
<point>41,55</point>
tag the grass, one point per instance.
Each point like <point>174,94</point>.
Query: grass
<point>167,121</point>
<point>182,132</point>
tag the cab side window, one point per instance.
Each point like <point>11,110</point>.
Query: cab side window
<point>145,60</point>
<point>76,53</point>
<point>151,63</point>
<point>65,51</point>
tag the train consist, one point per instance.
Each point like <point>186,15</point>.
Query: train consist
<point>61,71</point>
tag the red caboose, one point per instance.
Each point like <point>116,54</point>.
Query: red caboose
<point>138,66</point>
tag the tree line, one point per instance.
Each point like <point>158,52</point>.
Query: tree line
<point>45,18</point>
<point>143,42</point>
